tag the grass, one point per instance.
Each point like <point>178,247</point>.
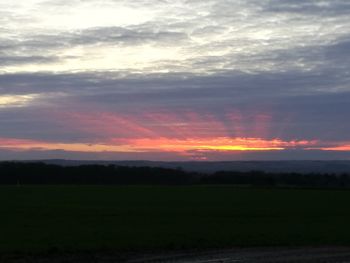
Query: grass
<point>40,218</point>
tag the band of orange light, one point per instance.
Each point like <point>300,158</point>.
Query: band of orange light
<point>160,144</point>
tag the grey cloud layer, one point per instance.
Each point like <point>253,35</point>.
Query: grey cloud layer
<point>305,104</point>
<point>212,35</point>
<point>20,60</point>
<point>107,35</point>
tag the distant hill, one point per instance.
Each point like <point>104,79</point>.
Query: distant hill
<point>337,167</point>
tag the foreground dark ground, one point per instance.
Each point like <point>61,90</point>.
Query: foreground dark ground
<point>133,220</point>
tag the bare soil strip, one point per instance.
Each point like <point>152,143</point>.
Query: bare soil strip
<point>245,255</point>
<point>260,255</point>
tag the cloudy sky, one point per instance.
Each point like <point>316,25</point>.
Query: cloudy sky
<point>175,80</point>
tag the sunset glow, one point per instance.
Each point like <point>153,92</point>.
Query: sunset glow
<point>215,144</point>
<point>174,80</point>
<point>162,144</point>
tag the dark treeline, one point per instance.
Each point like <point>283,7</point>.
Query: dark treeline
<point>40,173</point>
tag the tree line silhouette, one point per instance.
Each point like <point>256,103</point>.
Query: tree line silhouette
<point>22,173</point>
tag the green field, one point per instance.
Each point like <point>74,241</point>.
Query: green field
<point>34,218</point>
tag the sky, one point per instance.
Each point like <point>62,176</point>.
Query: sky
<point>175,80</point>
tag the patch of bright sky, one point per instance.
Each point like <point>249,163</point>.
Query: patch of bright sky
<point>7,101</point>
<point>73,15</point>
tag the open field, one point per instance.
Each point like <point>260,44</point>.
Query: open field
<point>145,218</point>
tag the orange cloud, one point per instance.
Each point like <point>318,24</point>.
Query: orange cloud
<point>341,148</point>
<point>23,144</point>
